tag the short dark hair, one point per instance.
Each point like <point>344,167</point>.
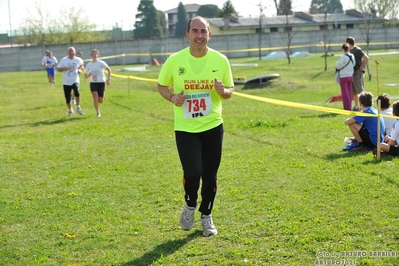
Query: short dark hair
<point>395,108</point>
<point>350,40</point>
<point>345,47</point>
<point>366,98</point>
<point>385,100</point>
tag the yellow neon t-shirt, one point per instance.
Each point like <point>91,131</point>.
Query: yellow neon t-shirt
<point>202,109</point>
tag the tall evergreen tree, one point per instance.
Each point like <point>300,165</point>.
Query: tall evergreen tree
<point>335,6</point>
<point>208,11</point>
<point>285,7</point>
<point>228,9</point>
<point>181,24</point>
<point>163,22</point>
<point>321,6</point>
<point>147,21</point>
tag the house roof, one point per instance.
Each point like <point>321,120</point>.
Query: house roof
<point>297,19</point>
<point>188,8</point>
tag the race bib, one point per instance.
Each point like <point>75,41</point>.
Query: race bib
<point>95,75</point>
<point>197,105</point>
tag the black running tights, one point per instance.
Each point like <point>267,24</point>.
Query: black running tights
<point>200,155</point>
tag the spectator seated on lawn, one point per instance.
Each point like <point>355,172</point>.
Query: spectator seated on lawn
<point>364,128</point>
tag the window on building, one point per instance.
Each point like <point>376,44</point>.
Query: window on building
<point>274,29</point>
<point>289,28</point>
<point>349,26</point>
<point>338,26</point>
<point>323,27</point>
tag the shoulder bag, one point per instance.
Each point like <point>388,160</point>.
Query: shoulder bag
<point>337,70</point>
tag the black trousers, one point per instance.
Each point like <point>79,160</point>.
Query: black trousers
<point>200,155</point>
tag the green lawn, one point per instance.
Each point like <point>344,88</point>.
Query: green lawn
<point>107,191</point>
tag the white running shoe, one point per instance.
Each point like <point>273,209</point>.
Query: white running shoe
<point>187,217</point>
<point>208,227</point>
<point>70,113</point>
<point>99,115</point>
<point>79,110</point>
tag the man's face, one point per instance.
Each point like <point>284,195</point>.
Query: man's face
<point>199,34</point>
<point>71,52</point>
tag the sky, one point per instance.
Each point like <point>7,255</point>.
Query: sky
<point>106,14</point>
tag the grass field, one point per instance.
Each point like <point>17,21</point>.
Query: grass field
<point>107,191</point>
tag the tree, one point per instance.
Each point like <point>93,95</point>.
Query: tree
<point>326,37</point>
<point>329,6</point>
<point>228,9</point>
<point>163,22</point>
<point>370,11</point>
<point>78,28</point>
<point>147,23</point>
<point>33,27</point>
<point>181,24</point>
<point>382,8</point>
<point>284,7</point>
<point>41,28</point>
<point>275,5</point>
<point>208,11</point>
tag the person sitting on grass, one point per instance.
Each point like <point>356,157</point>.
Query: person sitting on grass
<point>386,110</point>
<point>390,144</point>
<point>364,128</point>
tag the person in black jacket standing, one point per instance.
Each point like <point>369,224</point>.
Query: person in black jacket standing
<point>358,78</point>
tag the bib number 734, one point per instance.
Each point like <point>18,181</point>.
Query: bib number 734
<point>197,105</point>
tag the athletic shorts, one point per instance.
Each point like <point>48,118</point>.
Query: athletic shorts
<point>68,90</point>
<point>358,82</point>
<point>51,72</point>
<point>394,150</point>
<point>365,135</point>
<point>99,87</point>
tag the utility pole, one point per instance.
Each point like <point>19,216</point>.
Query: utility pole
<point>9,19</point>
<point>260,29</point>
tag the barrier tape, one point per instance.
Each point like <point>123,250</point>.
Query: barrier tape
<point>133,77</point>
<point>309,107</point>
<point>283,103</point>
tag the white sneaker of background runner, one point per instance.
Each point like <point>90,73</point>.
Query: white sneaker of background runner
<point>79,110</point>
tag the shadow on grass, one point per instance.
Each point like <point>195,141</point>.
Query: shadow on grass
<point>344,154</point>
<point>318,74</point>
<point>120,105</point>
<point>384,159</point>
<point>46,122</point>
<point>162,250</point>
<point>391,180</point>
<point>327,115</point>
<point>138,110</point>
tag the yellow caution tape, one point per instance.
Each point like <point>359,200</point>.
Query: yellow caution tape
<point>280,102</point>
